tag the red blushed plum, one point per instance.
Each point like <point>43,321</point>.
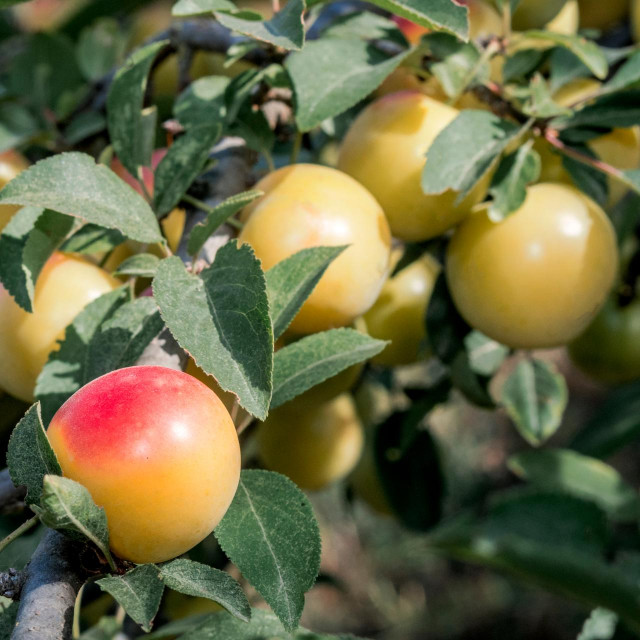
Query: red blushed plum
<point>158,450</point>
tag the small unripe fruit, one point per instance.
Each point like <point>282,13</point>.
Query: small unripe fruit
<point>158,450</point>
<point>609,350</point>
<point>307,206</point>
<point>535,14</point>
<point>399,313</point>
<point>385,150</point>
<point>315,445</point>
<point>537,278</point>
<point>64,287</point>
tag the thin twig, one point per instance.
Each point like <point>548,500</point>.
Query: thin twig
<point>14,535</point>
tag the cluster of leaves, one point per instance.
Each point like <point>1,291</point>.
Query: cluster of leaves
<point>228,314</point>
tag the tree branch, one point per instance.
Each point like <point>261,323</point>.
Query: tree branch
<point>55,575</point>
<point>52,581</point>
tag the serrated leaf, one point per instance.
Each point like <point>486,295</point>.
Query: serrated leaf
<point>442,15</point>
<point>201,232</point>
<point>535,396</point>
<point>227,329</point>
<point>201,581</point>
<point>317,357</point>
<point>92,238</point>
<point>123,337</point>
<point>200,7</point>
<point>142,265</point>
<point>588,478</point>
<point>30,456</point>
<point>332,74</point>
<point>26,243</point>
<point>585,50</point>
<point>485,355</point>
<point>202,102</point>
<point>182,164</point>
<point>291,281</point>
<point>465,150</point>
<point>285,29</point>
<point>66,370</point>
<point>124,108</point>
<point>509,183</point>
<point>74,184</point>
<point>271,535</point>
<point>600,625</point>
<point>66,505</point>
<point>458,63</point>
<point>138,592</point>
<point>615,424</point>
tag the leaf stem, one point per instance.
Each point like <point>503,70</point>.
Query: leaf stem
<point>76,614</point>
<point>295,150</point>
<point>269,160</point>
<point>203,206</point>
<point>25,526</point>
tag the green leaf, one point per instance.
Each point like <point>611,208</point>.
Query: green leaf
<point>365,25</point>
<point>221,212</point>
<point>464,151</point>
<point>108,628</point>
<point>446,329</point>
<point>619,109</point>
<point>100,48</point>
<point>68,506</point>
<point>508,185</point>
<point>66,370</point>
<point>485,355</point>
<point>553,541</point>
<point>535,396</point>
<point>124,108</point>
<point>9,612</point>
<point>576,474</point>
<point>74,184</point>
<point>285,29</point>
<point>600,625</point>
<point>201,581</point>
<point>474,386</point>
<point>615,424</point>
<point>409,465</point>
<point>138,592</point>
<point>92,238</point>
<point>26,243</point>
<point>592,181</point>
<point>83,126</point>
<point>627,75</point>
<point>30,456</point>
<point>521,64</point>
<point>141,265</point>
<point>332,74</point>
<point>202,102</point>
<point>271,535</point>
<point>441,15</point>
<point>182,164</point>
<point>291,281</point>
<point>34,74</point>
<point>587,51</point>
<point>263,626</point>
<point>123,337</point>
<point>201,7</point>
<point>539,101</point>
<point>458,63</point>
<point>317,357</point>
<point>221,317</point>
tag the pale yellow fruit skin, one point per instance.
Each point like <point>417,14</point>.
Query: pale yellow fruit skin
<point>399,312</point>
<point>65,286</point>
<point>602,14</point>
<point>620,147</point>
<point>484,19</point>
<point>315,445</point>
<point>11,164</point>
<point>385,150</point>
<point>537,278</point>
<point>568,19</point>
<point>309,205</point>
<point>635,19</point>
<point>535,14</point>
